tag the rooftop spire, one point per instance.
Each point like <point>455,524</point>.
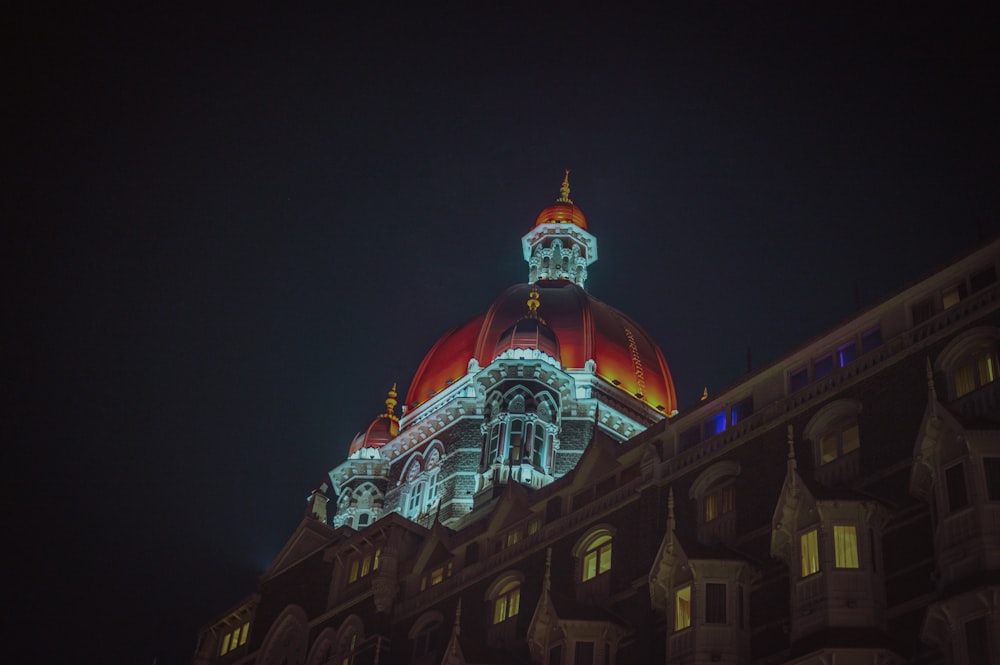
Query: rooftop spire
<point>564,190</point>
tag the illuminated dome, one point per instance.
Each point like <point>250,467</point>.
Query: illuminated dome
<point>585,329</point>
<point>382,430</point>
<point>564,211</point>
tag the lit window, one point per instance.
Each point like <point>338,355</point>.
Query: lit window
<point>809,546</point>
<point>513,538</point>
<point>363,565</point>
<point>436,576</point>
<point>534,526</point>
<point>838,443</point>
<point>715,424</point>
<point>682,605</point>
<point>508,602</point>
<point>715,602</point>
<point>719,501</point>
<point>846,353</point>
<point>953,295</point>
<point>234,639</point>
<point>597,558</point>
<point>845,543</point>
<point>977,370</point>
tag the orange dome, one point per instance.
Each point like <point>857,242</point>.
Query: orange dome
<point>380,432</point>
<point>562,213</point>
<point>586,329</point>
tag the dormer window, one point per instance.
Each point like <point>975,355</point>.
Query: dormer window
<point>436,576</point>
<point>719,501</point>
<point>838,442</point>
<point>971,361</point>
<point>597,558</point>
<point>715,491</point>
<point>507,603</point>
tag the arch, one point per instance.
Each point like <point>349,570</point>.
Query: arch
<point>593,552</point>
<point>287,640</point>
<point>504,596</point>
<point>433,454</point>
<point>832,415</point>
<point>413,468</point>
<point>429,619</point>
<point>965,343</point>
<point>970,361</point>
<point>712,475</point>
<point>502,581</point>
<point>323,647</point>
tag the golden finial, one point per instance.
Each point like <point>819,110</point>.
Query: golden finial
<point>390,402</point>
<point>533,302</point>
<point>704,394</point>
<point>564,190</point>
<point>390,411</point>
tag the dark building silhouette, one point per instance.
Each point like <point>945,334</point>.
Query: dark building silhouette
<point>539,498</point>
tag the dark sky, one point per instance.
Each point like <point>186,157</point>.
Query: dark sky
<point>235,227</point>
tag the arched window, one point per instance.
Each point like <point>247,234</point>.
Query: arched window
<point>971,361</point>
<point>286,641</point>
<point>507,603</point>
<point>836,440</point>
<point>594,553</point>
<point>425,636</point>
<point>715,491</point>
<point>349,639</point>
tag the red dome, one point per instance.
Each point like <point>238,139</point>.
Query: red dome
<point>562,213</point>
<point>586,329</point>
<point>380,432</point>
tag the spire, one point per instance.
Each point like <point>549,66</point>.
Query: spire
<point>548,569</point>
<point>564,190</point>
<point>458,618</point>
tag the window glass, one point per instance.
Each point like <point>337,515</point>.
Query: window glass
<point>507,603</point>
<point>922,311</point>
<point>682,611</point>
<point>809,546</point>
<point>977,641</point>
<point>952,296</point>
<point>958,498</point>
<point>845,542</point>
<point>597,559</point>
<point>715,603</point>
<point>822,367</point>
<point>991,466</point>
<point>871,339</point>
<point>798,379</point>
<point>584,653</point>
<point>742,410</point>
<point>846,353</point>
<point>715,424</point>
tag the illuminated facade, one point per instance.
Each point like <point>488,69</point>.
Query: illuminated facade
<point>539,498</point>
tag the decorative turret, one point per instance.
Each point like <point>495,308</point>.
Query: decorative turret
<point>559,247</point>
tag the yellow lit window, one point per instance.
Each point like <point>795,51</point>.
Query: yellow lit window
<point>514,537</point>
<point>597,559</point>
<point>845,542</point>
<point>809,545</point>
<point>720,501</point>
<point>436,576</point>
<point>364,565</point>
<point>236,638</point>
<point>533,527</point>
<point>682,604</point>
<point>979,369</point>
<point>834,444</point>
<point>508,603</point>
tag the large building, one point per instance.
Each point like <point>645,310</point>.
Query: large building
<point>538,498</point>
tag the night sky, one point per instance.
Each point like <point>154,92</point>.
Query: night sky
<point>230,230</point>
